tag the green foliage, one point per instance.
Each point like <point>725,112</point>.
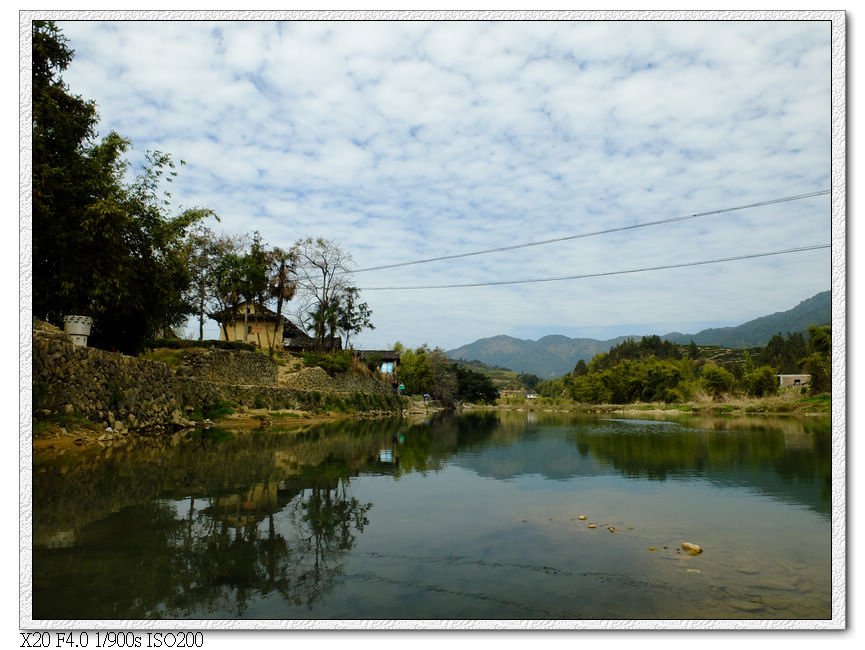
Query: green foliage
<point>426,370</point>
<point>474,386</point>
<point>102,246</point>
<point>646,380</point>
<point>373,361</point>
<point>818,363</point>
<point>331,362</point>
<point>761,382</point>
<point>648,346</point>
<point>529,380</point>
<point>785,354</point>
<point>717,381</point>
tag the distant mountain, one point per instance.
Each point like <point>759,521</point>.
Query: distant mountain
<point>555,355</point>
<point>813,311</point>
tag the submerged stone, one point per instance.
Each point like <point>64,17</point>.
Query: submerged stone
<point>691,549</point>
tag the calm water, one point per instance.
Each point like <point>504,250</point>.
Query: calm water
<point>471,517</point>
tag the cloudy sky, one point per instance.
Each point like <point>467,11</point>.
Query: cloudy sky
<point>405,141</point>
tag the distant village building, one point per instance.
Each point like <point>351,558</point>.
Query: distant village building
<point>792,381</point>
<point>388,360</point>
<point>253,324</point>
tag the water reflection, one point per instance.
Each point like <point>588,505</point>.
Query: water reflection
<point>219,524</point>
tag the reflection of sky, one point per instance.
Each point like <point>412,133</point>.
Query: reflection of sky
<point>458,542</point>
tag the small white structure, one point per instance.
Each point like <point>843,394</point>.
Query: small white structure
<point>77,328</point>
<point>793,381</point>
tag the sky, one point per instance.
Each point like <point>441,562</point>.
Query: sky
<point>407,140</point>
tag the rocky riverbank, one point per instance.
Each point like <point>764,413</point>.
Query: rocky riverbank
<point>97,397</point>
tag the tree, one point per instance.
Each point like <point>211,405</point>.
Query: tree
<point>476,387</point>
<point>717,380</point>
<point>818,363</point>
<point>693,350</point>
<point>352,316</point>
<point>322,276</point>
<point>228,287</point>
<point>282,287</point>
<point>761,382</point>
<point>101,247</point>
<point>204,249</point>
<point>530,381</point>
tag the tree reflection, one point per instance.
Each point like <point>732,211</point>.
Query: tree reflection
<point>214,560</point>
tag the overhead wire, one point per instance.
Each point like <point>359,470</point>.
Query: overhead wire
<point>602,274</point>
<point>606,231</point>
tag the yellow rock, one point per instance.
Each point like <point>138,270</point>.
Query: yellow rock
<point>653,548</point>
<point>582,517</point>
<point>692,549</point>
<point>593,525</point>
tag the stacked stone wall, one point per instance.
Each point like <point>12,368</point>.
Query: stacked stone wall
<point>117,390</point>
<point>129,393</point>
<point>228,367</point>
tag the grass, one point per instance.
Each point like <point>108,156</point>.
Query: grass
<point>788,402</point>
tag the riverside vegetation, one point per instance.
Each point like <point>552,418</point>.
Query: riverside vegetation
<point>655,374</point>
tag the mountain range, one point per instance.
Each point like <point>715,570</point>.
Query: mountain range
<point>556,355</point>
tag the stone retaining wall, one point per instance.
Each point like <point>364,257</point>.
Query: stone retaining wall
<point>228,367</point>
<point>134,394</point>
<point>201,396</point>
<point>119,391</point>
<point>317,379</point>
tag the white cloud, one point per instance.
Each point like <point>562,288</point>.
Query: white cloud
<point>406,140</point>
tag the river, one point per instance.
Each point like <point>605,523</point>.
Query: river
<point>488,515</point>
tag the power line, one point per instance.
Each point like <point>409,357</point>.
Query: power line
<point>598,275</point>
<point>607,231</point>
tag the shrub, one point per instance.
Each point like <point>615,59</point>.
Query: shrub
<point>717,380</point>
<point>331,362</point>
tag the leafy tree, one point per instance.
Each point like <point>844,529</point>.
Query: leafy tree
<point>204,250</point>
<point>818,363</point>
<point>429,371</point>
<point>529,380</point>
<point>414,372</point>
<point>254,276</point>
<point>693,351</point>
<point>282,286</point>
<point>228,285</point>
<point>101,247</point>
<point>717,380</point>
<point>785,354</point>
<point>443,377</point>
<point>352,316</point>
<point>475,387</point>
<point>761,382</point>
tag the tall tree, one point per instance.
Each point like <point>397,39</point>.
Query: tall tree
<point>819,360</point>
<point>282,285</point>
<point>228,284</point>
<point>204,250</point>
<point>322,275</point>
<point>353,316</point>
<point>101,247</point>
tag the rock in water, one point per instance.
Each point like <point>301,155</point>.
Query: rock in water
<point>692,549</point>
